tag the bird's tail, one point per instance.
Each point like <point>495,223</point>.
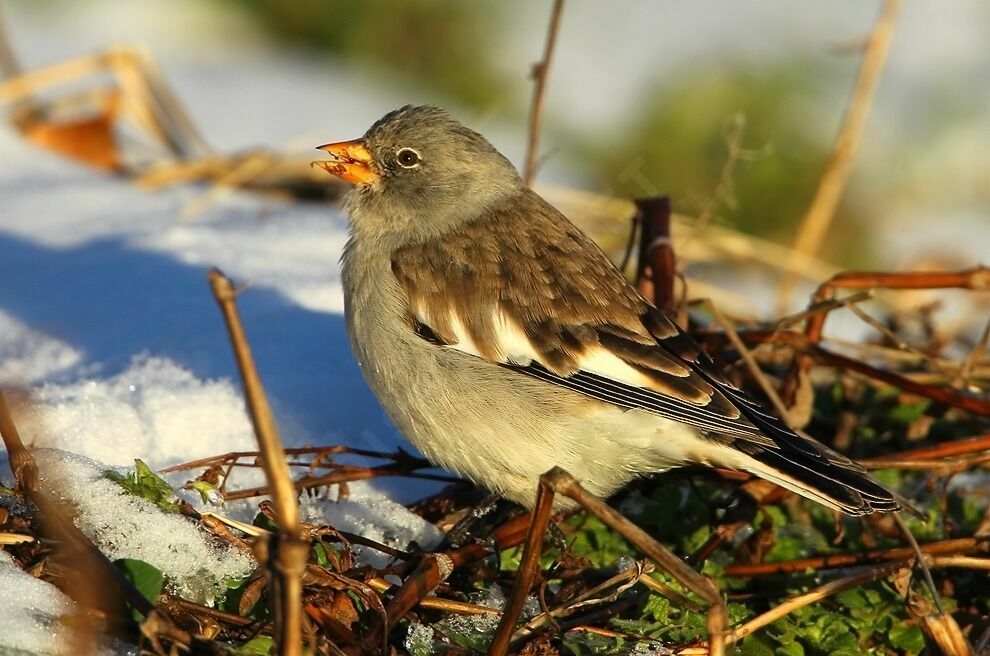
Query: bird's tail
<point>820,474</point>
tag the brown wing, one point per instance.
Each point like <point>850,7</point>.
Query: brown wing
<point>523,287</point>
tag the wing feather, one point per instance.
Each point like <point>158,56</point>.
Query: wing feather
<point>540,296</point>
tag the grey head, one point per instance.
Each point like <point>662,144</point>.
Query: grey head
<point>418,173</point>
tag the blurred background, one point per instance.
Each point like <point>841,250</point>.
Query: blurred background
<point>657,89</point>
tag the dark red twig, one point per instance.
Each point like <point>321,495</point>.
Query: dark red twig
<point>957,546</point>
<point>528,569</point>
<point>657,265</point>
<point>944,395</point>
<point>976,278</point>
<point>808,349</point>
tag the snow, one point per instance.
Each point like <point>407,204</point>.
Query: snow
<point>373,516</point>
<point>122,525</point>
<point>33,616</point>
<point>29,355</point>
<point>153,410</point>
<point>419,639</point>
<point>651,648</point>
<point>30,611</point>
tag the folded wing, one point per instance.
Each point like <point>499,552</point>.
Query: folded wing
<point>528,291</point>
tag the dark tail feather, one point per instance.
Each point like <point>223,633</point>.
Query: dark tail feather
<point>826,477</point>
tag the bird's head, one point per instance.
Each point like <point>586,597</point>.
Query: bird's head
<point>418,170</point>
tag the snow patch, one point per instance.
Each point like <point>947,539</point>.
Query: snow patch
<point>369,513</point>
<point>28,355</point>
<point>154,410</point>
<point>31,611</point>
<point>195,565</point>
<point>419,639</point>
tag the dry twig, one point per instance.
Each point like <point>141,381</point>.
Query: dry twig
<point>751,364</point>
<point>975,278</point>
<point>816,222</point>
<point>940,548</point>
<point>291,550</point>
<point>962,380</point>
<point>541,71</point>
<point>810,597</point>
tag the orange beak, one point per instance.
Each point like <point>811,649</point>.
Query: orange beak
<point>353,162</point>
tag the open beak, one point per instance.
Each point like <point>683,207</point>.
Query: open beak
<point>352,163</point>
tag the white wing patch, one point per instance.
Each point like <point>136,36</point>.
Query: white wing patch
<point>513,346</point>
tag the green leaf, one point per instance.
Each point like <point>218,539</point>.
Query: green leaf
<point>581,643</point>
<point>657,607</point>
<point>261,520</point>
<point>907,637</point>
<point>853,599</point>
<point>790,649</point>
<point>846,651</point>
<point>756,645</point>
<point>595,541</point>
<point>148,580</point>
<point>146,484</point>
<point>908,412</point>
<point>207,491</point>
<point>320,554</point>
<point>257,646</point>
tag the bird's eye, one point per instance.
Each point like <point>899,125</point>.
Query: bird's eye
<point>407,157</point>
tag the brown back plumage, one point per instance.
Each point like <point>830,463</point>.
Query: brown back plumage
<point>526,262</point>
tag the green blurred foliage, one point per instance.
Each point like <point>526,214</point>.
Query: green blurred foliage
<point>441,45</point>
<point>678,143</point>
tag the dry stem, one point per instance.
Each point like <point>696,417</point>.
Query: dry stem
<point>816,222</point>
<point>751,364</point>
<point>290,548</point>
<point>540,72</point>
<point>810,597</point>
<point>966,370</point>
<point>940,548</point>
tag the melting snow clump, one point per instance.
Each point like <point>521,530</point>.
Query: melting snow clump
<point>652,648</point>
<point>370,514</point>
<point>154,410</point>
<point>30,611</point>
<point>122,525</point>
<point>419,640</point>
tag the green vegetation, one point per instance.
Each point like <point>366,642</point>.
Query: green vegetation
<point>145,483</point>
<point>441,45</point>
<point>146,578</point>
<point>679,143</point>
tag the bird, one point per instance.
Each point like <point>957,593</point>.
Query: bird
<point>502,341</point>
